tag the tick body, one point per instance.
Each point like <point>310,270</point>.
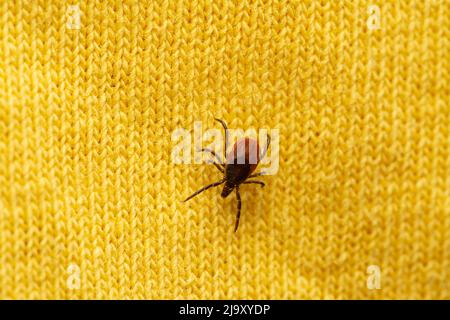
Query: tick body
<point>238,167</point>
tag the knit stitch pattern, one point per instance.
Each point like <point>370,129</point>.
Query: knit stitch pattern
<point>90,199</point>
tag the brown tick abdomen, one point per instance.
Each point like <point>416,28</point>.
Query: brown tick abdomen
<point>241,161</point>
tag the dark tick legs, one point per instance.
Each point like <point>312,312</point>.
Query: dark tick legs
<point>225,128</point>
<point>257,174</point>
<point>267,147</point>
<point>220,166</point>
<point>215,184</point>
<point>255,182</point>
<point>238,215</point>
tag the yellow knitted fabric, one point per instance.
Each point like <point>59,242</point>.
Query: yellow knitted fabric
<point>90,199</point>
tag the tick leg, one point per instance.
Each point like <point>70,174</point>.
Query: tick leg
<point>219,165</point>
<point>224,125</point>
<point>257,174</point>
<point>238,215</point>
<point>215,184</point>
<point>255,182</point>
<point>267,147</point>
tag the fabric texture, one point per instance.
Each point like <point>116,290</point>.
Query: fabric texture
<point>90,199</point>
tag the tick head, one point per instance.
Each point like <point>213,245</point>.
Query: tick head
<point>227,188</point>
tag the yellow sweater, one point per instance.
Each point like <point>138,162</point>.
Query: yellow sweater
<point>90,198</point>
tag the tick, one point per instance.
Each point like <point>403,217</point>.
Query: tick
<point>238,167</point>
